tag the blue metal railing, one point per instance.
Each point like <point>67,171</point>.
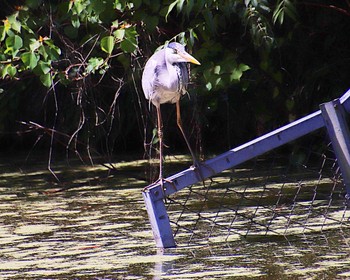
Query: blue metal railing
<point>331,115</point>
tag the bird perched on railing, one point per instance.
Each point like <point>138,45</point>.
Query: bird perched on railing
<point>164,80</point>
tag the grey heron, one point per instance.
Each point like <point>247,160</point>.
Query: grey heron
<point>164,80</point>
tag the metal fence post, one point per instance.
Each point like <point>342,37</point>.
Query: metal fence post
<point>158,216</point>
<point>338,130</point>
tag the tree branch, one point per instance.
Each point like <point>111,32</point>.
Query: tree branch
<point>331,7</point>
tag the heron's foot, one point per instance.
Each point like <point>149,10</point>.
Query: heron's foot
<point>161,181</point>
<point>198,167</point>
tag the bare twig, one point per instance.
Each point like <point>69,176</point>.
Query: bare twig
<point>330,7</point>
<point>52,135</point>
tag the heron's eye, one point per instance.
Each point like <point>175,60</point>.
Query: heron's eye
<point>175,51</point>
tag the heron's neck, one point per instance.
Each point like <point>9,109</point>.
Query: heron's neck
<point>171,67</point>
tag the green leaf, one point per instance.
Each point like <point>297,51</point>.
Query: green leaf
<point>75,21</point>
<point>171,7</point>
<point>119,6</point>
<point>209,86</point>
<point>131,33</point>
<point>43,51</point>
<point>98,6</point>
<point>12,71</point>
<point>4,72</point>
<point>2,33</point>
<point>278,13</point>
<point>46,80</point>
<point>107,44</point>
<point>42,68</point>
<point>70,5</point>
<point>14,42</point>
<point>45,67</point>
<point>8,70</point>
<point>78,7</point>
<point>217,69</point>
<point>243,67</point>
<point>129,44</point>
<point>93,64</point>
<point>209,20</point>
<point>30,60</point>
<point>34,44</point>
<point>284,7</point>
<point>28,29</point>
<point>15,24</point>
<point>179,5</point>
<point>236,75</point>
<point>193,36</point>
<point>291,10</point>
<point>217,81</point>
<point>53,51</point>
<point>119,34</point>
<point>115,24</point>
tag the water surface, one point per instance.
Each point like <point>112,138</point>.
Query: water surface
<point>93,225</point>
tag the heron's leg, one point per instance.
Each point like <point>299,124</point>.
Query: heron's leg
<point>179,124</point>
<point>160,136</point>
<point>196,164</point>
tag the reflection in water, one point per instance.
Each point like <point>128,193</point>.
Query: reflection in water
<point>161,267</point>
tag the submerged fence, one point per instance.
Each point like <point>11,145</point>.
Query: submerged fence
<point>294,180</point>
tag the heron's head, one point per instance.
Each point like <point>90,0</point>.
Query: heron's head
<point>176,53</point>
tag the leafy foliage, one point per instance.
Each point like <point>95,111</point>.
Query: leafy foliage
<point>73,67</point>
<point>36,43</point>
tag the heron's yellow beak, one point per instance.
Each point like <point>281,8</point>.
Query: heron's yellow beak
<point>190,58</point>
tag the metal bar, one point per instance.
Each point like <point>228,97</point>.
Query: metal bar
<point>345,101</point>
<point>159,219</point>
<point>331,115</point>
<point>242,153</point>
<point>248,151</point>
<point>334,116</point>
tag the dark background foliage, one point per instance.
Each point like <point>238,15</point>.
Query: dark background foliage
<point>73,84</point>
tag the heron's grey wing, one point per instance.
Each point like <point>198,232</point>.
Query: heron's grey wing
<point>151,72</point>
<point>148,78</point>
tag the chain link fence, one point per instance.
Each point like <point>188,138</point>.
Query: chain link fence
<point>295,190</point>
